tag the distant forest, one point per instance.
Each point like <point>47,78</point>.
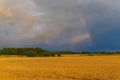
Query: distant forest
<point>29,52</point>
<point>38,52</point>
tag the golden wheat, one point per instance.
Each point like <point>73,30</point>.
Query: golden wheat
<point>60,68</point>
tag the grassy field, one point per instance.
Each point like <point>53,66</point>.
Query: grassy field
<point>60,68</point>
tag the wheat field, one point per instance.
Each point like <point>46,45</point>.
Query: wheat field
<point>60,68</point>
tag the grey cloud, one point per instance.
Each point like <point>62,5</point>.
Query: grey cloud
<point>55,22</point>
<point>39,21</point>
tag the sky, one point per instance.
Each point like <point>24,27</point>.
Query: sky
<point>60,24</point>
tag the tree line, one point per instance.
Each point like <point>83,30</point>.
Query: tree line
<point>39,52</point>
<point>88,52</point>
<point>29,52</point>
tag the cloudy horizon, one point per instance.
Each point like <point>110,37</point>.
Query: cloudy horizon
<point>60,24</point>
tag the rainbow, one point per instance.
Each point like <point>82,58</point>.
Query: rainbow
<point>84,24</point>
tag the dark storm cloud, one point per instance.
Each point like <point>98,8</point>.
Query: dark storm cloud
<point>103,23</point>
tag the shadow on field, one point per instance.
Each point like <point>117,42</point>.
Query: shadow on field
<point>59,76</point>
